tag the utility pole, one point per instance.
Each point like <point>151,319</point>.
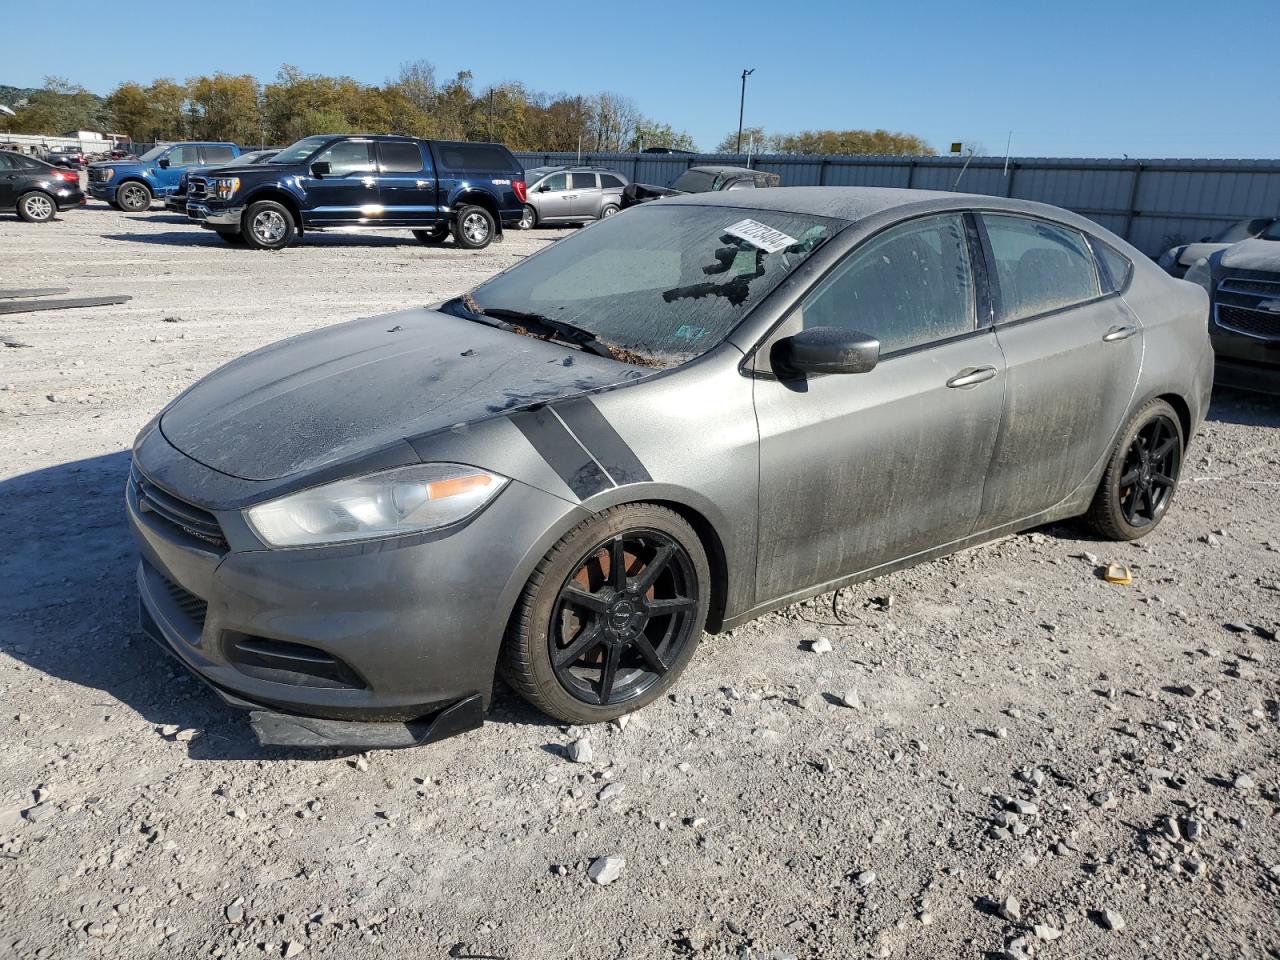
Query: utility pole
<point>491,114</point>
<point>742,101</point>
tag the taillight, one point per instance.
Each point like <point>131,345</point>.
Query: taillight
<point>520,189</point>
<point>66,175</point>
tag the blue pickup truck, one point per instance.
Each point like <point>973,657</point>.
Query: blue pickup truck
<point>131,185</point>
<point>433,187</point>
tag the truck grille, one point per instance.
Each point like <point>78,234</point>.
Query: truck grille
<point>1262,324</point>
<point>197,188</point>
<point>97,175</point>
<point>185,518</point>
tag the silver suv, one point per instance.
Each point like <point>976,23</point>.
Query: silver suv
<point>571,195</point>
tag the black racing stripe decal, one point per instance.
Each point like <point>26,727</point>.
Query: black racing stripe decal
<point>597,434</point>
<point>563,454</point>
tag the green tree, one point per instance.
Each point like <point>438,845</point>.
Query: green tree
<point>753,138</point>
<point>224,107</point>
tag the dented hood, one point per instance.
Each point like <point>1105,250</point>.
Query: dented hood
<point>336,393</point>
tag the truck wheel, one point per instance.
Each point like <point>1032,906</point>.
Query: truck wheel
<point>233,238</point>
<point>529,218</point>
<point>134,197</point>
<point>437,234</point>
<point>36,207</point>
<point>474,228</point>
<point>268,225</point>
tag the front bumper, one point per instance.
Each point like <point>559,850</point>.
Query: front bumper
<point>176,203</point>
<point>1245,362</point>
<point>385,632</point>
<point>215,218</point>
<point>100,190</point>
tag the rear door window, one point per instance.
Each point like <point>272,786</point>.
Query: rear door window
<point>5,162</point>
<point>1040,266</point>
<point>400,156</point>
<point>909,286</point>
<point>184,156</point>
<point>609,181</point>
<point>216,153</point>
<point>583,181</point>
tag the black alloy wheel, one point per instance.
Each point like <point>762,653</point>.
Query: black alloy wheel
<point>1142,475</point>
<point>623,617</point>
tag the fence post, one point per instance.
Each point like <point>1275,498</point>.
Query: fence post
<point>1013,172</point>
<point>1133,200</point>
<point>911,174</point>
<point>822,172</point>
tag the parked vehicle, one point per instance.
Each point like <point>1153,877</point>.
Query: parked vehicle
<point>71,158</point>
<point>176,202</point>
<point>432,187</point>
<point>1243,283</point>
<point>670,151</point>
<point>131,185</point>
<point>36,190</point>
<point>571,195</point>
<point>1176,260</point>
<point>700,180</point>
<point>678,419</point>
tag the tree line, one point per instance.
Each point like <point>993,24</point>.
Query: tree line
<point>241,109</point>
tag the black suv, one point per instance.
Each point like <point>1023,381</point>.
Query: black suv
<point>432,187</point>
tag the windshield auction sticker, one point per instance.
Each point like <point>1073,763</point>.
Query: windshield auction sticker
<point>758,235</point>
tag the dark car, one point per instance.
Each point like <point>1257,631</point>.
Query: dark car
<point>1243,283</point>
<point>1177,260</point>
<point>72,158</point>
<point>432,187</point>
<point>176,202</point>
<point>37,190</point>
<point>700,180</point>
<point>676,420</point>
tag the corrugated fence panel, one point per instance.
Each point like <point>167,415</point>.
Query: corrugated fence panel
<point>1152,203</point>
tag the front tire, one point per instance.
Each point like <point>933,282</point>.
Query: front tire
<point>36,207</point>
<point>1142,475</point>
<point>611,616</point>
<point>268,225</point>
<point>474,228</point>
<point>609,210</point>
<point>134,197</point>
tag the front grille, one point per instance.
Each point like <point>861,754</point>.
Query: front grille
<point>186,518</point>
<point>97,176</point>
<point>1252,323</point>
<point>191,605</point>
<point>1265,288</point>
<point>197,188</point>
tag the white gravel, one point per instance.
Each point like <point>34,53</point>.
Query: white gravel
<point>746,822</point>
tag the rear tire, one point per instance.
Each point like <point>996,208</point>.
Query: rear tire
<point>573,597</point>
<point>268,225</point>
<point>436,235</point>
<point>36,207</point>
<point>1142,476</point>
<point>474,227</point>
<point>134,197</point>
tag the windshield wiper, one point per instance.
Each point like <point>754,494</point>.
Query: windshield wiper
<point>560,330</point>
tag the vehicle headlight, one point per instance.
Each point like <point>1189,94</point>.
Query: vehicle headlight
<point>108,173</point>
<point>386,504</point>
<point>225,187</point>
<point>1201,273</point>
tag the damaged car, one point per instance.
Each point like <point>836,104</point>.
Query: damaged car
<point>700,180</point>
<point>1177,260</point>
<point>669,424</point>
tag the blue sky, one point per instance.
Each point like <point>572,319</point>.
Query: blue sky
<point>1084,78</point>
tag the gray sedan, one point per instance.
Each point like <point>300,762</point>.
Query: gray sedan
<point>670,423</point>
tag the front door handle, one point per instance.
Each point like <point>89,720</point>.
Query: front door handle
<point>1122,332</point>
<point>424,183</point>
<point>972,376</point>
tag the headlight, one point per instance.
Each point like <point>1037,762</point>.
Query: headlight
<point>226,187</point>
<point>1200,273</point>
<point>108,173</point>
<point>388,504</point>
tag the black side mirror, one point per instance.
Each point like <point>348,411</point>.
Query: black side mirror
<point>1205,239</point>
<point>163,163</point>
<point>320,168</point>
<point>826,350</point>
<point>544,188</point>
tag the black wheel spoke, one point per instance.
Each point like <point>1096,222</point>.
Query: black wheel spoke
<point>591,636</point>
<point>1130,478</point>
<point>653,569</point>
<point>659,608</point>
<point>1162,479</point>
<point>649,654</point>
<point>618,564</point>
<point>577,597</point>
<point>609,672</point>
<point>1163,451</point>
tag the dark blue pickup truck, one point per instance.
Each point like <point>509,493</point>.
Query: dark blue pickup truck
<point>432,187</point>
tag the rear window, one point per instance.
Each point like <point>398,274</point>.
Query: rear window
<point>475,156</point>
<point>218,154</point>
<point>400,156</point>
<point>608,180</point>
<point>1115,266</point>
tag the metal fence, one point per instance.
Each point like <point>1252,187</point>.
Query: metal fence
<point>1151,203</point>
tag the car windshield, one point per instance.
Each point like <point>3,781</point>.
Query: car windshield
<point>661,284</point>
<point>1238,231</point>
<point>298,152</point>
<point>1272,232</point>
<point>695,181</point>
<point>153,153</point>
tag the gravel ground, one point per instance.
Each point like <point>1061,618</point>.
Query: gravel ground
<point>1036,762</point>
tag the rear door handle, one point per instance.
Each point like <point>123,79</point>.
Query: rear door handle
<point>972,376</point>
<point>1122,332</point>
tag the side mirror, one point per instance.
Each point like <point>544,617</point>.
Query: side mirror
<point>826,350</point>
<point>163,163</point>
<point>1205,239</point>
<point>544,188</point>
<point>320,168</point>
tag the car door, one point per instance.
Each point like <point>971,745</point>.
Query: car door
<point>347,192</point>
<point>9,174</point>
<point>584,195</point>
<point>552,197</point>
<point>177,160</point>
<point>1073,351</point>
<point>406,183</point>
<point>859,470</point>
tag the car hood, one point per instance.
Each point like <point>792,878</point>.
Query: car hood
<point>359,387</point>
<point>1195,251</point>
<point>1253,255</point>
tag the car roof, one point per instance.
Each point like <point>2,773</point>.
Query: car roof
<point>713,168</point>
<point>858,203</point>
